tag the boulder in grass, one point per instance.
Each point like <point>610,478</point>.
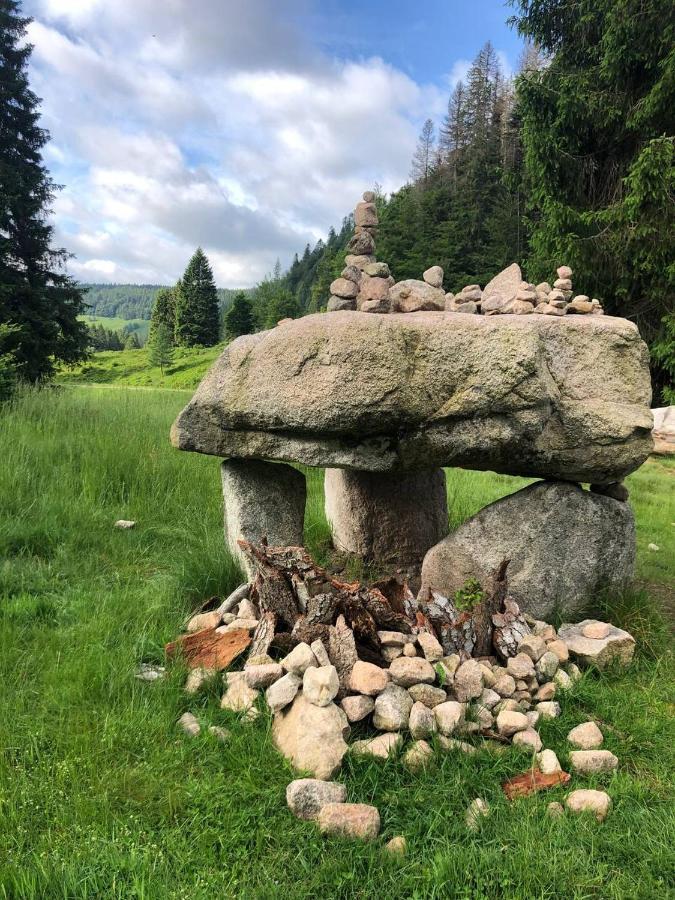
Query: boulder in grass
<point>593,762</point>
<point>311,737</point>
<point>350,820</point>
<point>306,797</point>
<point>596,802</point>
<point>616,647</point>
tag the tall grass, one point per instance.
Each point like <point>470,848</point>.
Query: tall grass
<point>101,796</point>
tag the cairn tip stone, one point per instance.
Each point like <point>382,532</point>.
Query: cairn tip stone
<point>535,528</point>
<point>568,399</point>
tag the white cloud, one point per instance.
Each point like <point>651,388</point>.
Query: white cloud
<point>211,123</point>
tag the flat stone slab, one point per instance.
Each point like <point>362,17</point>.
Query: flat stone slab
<point>523,395</point>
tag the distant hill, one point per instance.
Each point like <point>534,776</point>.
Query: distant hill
<point>132,301</point>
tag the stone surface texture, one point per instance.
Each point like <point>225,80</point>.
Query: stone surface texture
<point>536,528</point>
<point>307,796</point>
<point>516,394</point>
<point>311,737</point>
<point>261,498</point>
<point>617,647</point>
<point>386,516</point>
<point>350,820</point>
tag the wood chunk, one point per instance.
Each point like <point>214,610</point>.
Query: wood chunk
<point>531,781</point>
<point>342,652</point>
<point>491,604</point>
<point>264,634</point>
<point>509,627</point>
<point>209,650</point>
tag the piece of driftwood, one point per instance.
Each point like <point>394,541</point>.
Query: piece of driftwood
<point>509,626</point>
<point>208,649</point>
<point>531,781</point>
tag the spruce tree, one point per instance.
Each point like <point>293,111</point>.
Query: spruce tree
<point>197,319</point>
<point>239,318</point>
<point>599,147</point>
<point>36,295</point>
<point>161,348</point>
<point>163,311</point>
<point>423,160</point>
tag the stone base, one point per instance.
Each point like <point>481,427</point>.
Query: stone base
<point>565,544</point>
<point>262,499</point>
<point>386,518</point>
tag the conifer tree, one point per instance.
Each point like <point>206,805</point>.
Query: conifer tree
<point>239,318</point>
<point>36,295</point>
<point>163,311</point>
<point>197,319</point>
<point>161,348</point>
<point>423,160</point>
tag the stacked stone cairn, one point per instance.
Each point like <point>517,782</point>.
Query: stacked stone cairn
<point>366,285</point>
<point>425,676</point>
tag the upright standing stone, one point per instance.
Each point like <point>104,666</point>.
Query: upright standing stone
<point>386,517</point>
<point>260,499</point>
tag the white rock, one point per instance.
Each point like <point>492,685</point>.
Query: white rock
<point>427,694</point>
<point>468,681</point>
<point>406,671</point>
<point>453,744</point>
<point>350,820</point>
<point>477,810</point>
<point>618,646</point>
<point>262,676</point>
<point>547,665</point>
<point>592,762</point>
<point>320,653</point>
<point>586,736</point>
<point>520,666</point>
<point>434,276</point>
<point>395,638</point>
<point>555,809</point>
<point>549,709</point>
<point>188,722</point>
<point>528,738</point>
<point>489,698</point>
<point>381,747</point>
<point>283,691</point>
<point>311,737</point>
<point>562,680</point>
<point>238,697</point>
<point>418,756</point>
<point>320,685</point>
<point>357,707</point>
<point>367,678</point>
<point>299,659</point>
<point>597,802</point>
<point>150,672</point>
<point>431,648</point>
<point>548,762</point>
<point>505,685</point>
<point>220,734</point>
<point>422,723</point>
<point>392,709</point>
<point>125,524</point>
<point>509,722</point>
<point>247,610</point>
<point>449,716</point>
<point>397,846</point>
<point>202,621</point>
<point>197,678</point>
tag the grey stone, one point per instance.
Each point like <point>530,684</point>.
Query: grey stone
<point>548,762</point>
<point>529,739</point>
<point>520,666</point>
<point>377,270</point>
<point>397,846</point>
<point>281,394</point>
<point>340,304</point>
<point>505,686</point>
<point>283,691</point>
<point>202,621</point>
<point>238,696</point>
<point>261,677</point>
<point>427,694</point>
<point>535,528</point>
<point>307,796</point>
<point>586,736</point>
<point>381,747</point>
<point>359,260</point>
<point>550,709</point>
<point>386,517</point>
<point>407,671</point>
<point>422,723</point>
<point>262,499</point>
<point>593,762</point>
<point>189,724</point>
<point>555,809</point>
<point>449,716</point>
<point>220,734</point>
<point>361,244</point>
<point>509,722</point>
<point>617,647</point>
<point>453,744</point>
<point>392,709</point>
<point>596,802</point>
<point>430,646</point>
<point>506,283</point>
<point>414,296</point>
<point>198,678</point>
<point>418,756</point>
<point>299,659</point>
<point>548,664</point>
<point>468,681</point>
<point>434,276</point>
<point>320,653</point>
<point>357,707</point>
<point>311,737</point>
<point>351,273</point>
<point>350,820</point>
<point>343,287</point>
<point>533,645</point>
<point>320,685</point>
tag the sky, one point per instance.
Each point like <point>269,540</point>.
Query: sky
<point>247,127</point>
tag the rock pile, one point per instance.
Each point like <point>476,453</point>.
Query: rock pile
<point>326,655</point>
<point>367,285</point>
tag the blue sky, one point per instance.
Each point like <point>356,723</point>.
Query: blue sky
<point>246,126</point>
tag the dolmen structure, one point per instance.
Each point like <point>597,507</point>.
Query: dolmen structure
<point>384,401</point>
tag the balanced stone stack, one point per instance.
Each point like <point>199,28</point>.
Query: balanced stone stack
<point>364,283</point>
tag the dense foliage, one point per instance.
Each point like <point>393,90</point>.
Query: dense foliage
<point>597,132</point>
<point>164,311</point>
<point>197,321</point>
<point>133,301</point>
<point>37,298</point>
<point>239,319</point>
<point>161,347</point>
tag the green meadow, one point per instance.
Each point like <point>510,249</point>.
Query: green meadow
<point>101,796</point>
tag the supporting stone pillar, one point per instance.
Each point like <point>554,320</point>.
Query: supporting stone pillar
<point>391,518</point>
<point>262,499</point>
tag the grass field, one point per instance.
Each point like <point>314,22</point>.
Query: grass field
<point>113,323</point>
<point>131,368</point>
<point>101,796</point>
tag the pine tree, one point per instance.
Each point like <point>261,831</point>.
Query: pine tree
<point>36,295</point>
<point>423,160</point>
<point>599,154</point>
<point>239,319</point>
<point>453,135</point>
<point>8,371</point>
<point>161,349</point>
<point>163,311</point>
<point>131,341</point>
<point>197,319</point>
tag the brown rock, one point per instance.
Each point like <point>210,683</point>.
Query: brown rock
<point>367,678</point>
<point>350,820</point>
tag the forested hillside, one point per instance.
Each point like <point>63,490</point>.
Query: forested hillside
<point>132,301</point>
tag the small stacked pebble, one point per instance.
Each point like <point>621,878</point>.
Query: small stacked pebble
<point>440,700</point>
<point>367,285</point>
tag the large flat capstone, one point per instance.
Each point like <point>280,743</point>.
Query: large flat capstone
<point>531,395</point>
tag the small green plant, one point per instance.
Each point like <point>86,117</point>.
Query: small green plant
<point>469,595</point>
